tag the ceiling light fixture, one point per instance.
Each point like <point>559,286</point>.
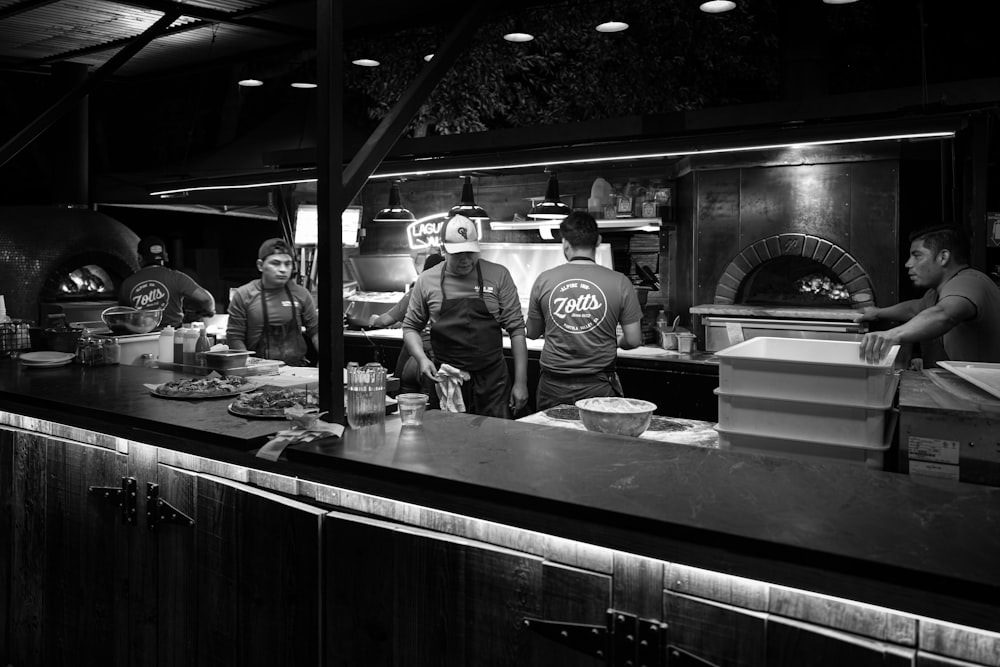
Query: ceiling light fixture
<point>366,62</point>
<point>428,57</point>
<point>468,207</point>
<point>250,83</point>
<point>550,208</point>
<point>717,6</point>
<point>838,2</point>
<point>612,26</point>
<point>394,212</point>
<point>303,84</point>
<point>518,37</point>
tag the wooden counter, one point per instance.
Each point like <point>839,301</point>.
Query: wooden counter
<point>836,530</point>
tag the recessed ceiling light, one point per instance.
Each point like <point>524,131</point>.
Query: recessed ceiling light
<point>303,84</point>
<point>428,57</point>
<point>250,83</point>
<point>366,62</point>
<point>612,26</point>
<point>518,37</point>
<point>717,6</point>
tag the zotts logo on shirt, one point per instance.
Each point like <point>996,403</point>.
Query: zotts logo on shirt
<point>149,294</point>
<point>577,306</point>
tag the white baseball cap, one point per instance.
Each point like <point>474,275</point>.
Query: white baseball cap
<point>460,235</point>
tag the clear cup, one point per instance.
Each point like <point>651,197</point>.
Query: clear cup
<point>365,396</point>
<point>411,408</point>
<point>685,343</point>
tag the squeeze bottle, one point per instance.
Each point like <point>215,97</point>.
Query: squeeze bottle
<point>179,345</point>
<point>166,345</point>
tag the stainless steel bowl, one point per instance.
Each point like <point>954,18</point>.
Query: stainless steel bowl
<point>620,416</point>
<point>128,320</point>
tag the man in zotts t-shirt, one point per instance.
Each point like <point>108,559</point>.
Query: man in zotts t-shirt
<point>578,307</point>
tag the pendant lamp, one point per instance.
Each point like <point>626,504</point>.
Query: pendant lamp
<point>468,207</point>
<point>551,208</point>
<point>394,212</point>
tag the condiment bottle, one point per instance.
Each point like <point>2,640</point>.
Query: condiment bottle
<point>179,345</point>
<point>201,346</point>
<point>190,342</point>
<point>166,345</point>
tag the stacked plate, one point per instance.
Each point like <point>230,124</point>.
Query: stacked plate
<point>45,359</point>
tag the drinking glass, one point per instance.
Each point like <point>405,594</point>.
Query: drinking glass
<point>365,392</point>
<point>411,408</point>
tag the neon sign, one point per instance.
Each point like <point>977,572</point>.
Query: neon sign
<point>426,232</point>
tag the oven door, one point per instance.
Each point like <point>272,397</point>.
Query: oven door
<point>721,332</point>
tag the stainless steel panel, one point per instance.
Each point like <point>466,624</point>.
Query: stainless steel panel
<point>383,273</point>
<point>526,261</point>
<point>717,330</point>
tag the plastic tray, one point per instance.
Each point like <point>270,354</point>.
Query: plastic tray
<point>833,423</point>
<point>805,369</point>
<point>810,450</point>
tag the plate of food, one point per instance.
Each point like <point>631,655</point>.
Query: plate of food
<point>270,402</point>
<point>207,387</point>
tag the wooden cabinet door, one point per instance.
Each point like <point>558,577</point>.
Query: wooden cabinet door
<point>242,586</point>
<point>398,596</point>
<point>68,554</point>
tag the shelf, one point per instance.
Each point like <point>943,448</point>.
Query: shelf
<point>545,227</point>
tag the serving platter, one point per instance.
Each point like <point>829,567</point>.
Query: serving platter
<point>160,392</point>
<point>46,358</point>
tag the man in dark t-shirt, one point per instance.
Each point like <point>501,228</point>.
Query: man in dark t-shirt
<point>156,286</point>
<point>578,307</point>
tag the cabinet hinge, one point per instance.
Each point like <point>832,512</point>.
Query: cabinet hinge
<point>624,641</point>
<point>123,496</point>
<point>160,511</point>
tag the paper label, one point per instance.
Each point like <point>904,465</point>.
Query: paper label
<point>735,332</point>
<point>931,469</point>
<point>933,449</point>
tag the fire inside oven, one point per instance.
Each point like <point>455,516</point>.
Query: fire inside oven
<point>793,281</point>
<point>81,288</point>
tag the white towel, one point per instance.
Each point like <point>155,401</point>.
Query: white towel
<point>449,387</point>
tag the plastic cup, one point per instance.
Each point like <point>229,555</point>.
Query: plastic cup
<point>411,408</point>
<point>685,343</point>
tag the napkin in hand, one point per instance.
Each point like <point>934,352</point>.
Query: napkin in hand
<point>449,387</point>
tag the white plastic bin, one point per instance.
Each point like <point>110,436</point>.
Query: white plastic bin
<point>805,369</point>
<point>830,422</point>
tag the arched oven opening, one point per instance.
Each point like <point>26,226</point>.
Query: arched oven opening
<point>793,281</point>
<point>787,286</point>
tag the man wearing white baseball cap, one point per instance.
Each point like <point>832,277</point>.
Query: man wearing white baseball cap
<point>469,302</point>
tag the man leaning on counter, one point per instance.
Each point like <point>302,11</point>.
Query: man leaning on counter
<point>469,302</point>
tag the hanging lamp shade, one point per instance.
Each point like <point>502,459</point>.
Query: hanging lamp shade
<point>468,207</point>
<point>551,208</point>
<point>394,212</point>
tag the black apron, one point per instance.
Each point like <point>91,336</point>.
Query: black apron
<point>281,341</point>
<point>466,335</point>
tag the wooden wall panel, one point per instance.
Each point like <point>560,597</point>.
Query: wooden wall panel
<point>177,618</point>
<point>7,539</point>
<point>717,587</point>
<point>960,643</point>
<point>574,596</point>
<point>867,621</point>
<point>792,643</point>
<point>638,586</point>
<point>28,551</point>
<point>721,634</point>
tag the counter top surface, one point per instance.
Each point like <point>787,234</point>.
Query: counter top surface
<point>792,312</point>
<point>668,498</point>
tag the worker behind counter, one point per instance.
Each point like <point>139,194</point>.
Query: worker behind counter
<point>269,315</point>
<point>468,303</point>
<point>961,305</point>
<point>155,285</point>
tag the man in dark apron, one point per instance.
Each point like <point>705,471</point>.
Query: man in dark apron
<point>269,315</point>
<point>469,303</point>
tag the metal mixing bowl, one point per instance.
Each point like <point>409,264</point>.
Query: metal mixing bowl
<point>618,416</point>
<point>128,320</point>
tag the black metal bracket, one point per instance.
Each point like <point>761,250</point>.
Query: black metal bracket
<point>159,511</point>
<point>624,641</point>
<point>123,496</point>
